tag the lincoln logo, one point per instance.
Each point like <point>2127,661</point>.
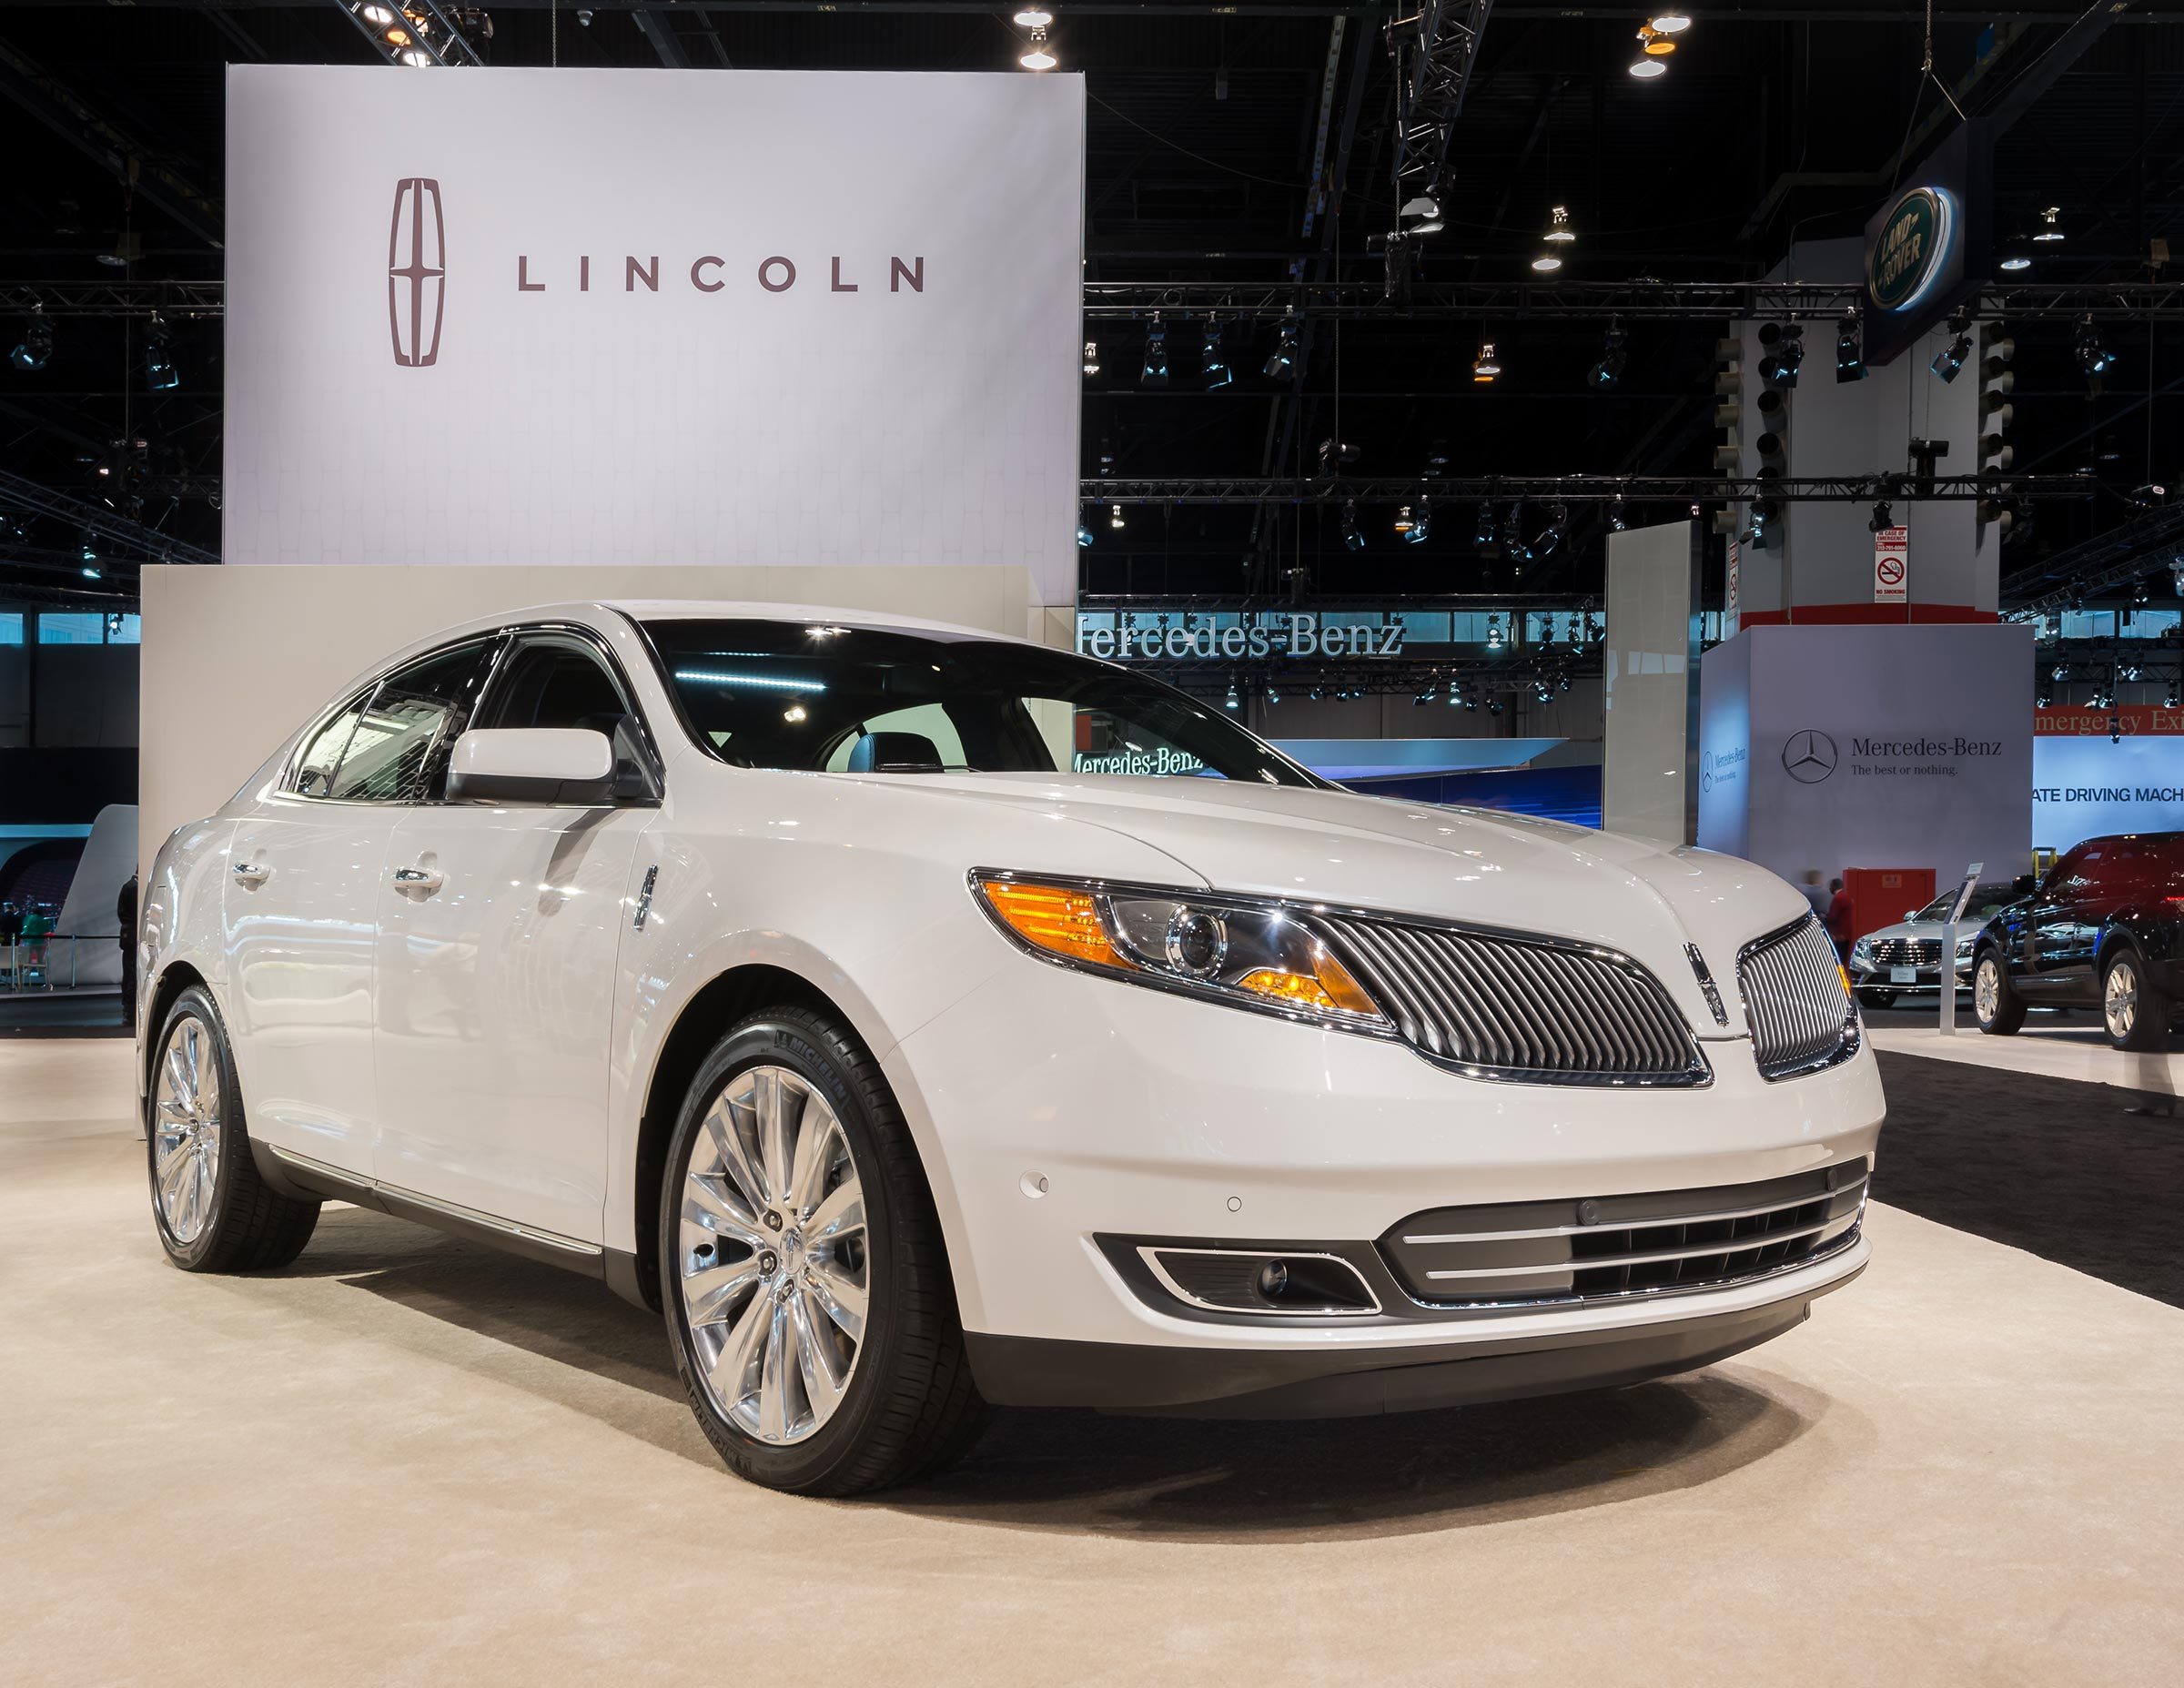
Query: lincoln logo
<point>417,258</point>
<point>1808,757</point>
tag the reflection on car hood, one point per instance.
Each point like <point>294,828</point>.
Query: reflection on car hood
<point>1469,864</point>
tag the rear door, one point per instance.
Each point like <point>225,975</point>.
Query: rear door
<point>2064,926</point>
<point>497,960</point>
<point>304,894</point>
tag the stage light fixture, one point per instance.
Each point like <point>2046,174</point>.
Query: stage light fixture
<point>1949,361</point>
<point>36,346</point>
<point>1617,523</point>
<point>1485,366</point>
<point>1091,357</point>
<point>2094,358</point>
<point>1669,23</point>
<point>1424,210</point>
<point>1084,537</point>
<point>1034,17</point>
<point>1883,516</point>
<point>1037,55</point>
<point>2016,254</point>
<point>1785,353</point>
<point>1217,372</point>
<point>1493,633</point>
<point>1282,363</point>
<point>1482,535</point>
<point>87,555</point>
<point>161,373</point>
<point>1353,540</point>
<point>1559,232</point>
<point>1546,262</point>
<point>417,58</point>
<point>1114,519</point>
<point>2050,228</point>
<point>1416,524</point>
<point>1850,349</point>
<point>1605,374</point>
<point>1232,701</point>
<point>1643,69</point>
<point>1155,373</point>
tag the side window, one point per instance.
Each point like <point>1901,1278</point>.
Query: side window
<point>314,774</point>
<point>556,680</point>
<point>399,748</point>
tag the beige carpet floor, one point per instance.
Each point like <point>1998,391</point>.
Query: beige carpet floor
<point>411,1461</point>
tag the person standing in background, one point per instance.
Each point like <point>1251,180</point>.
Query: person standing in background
<point>10,935</point>
<point>1839,918</point>
<point>1815,892</point>
<point>125,919</point>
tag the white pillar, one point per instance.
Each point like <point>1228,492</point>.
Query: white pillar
<point>1650,682</point>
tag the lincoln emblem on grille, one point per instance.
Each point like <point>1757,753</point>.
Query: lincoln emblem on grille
<point>416,271</point>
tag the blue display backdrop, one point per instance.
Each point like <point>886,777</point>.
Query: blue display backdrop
<point>2084,786</point>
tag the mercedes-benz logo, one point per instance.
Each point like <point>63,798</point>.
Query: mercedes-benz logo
<point>1706,771</point>
<point>1808,757</point>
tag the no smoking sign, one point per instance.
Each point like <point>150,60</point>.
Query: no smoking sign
<point>1891,565</point>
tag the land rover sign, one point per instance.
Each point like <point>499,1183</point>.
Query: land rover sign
<point>1911,249</point>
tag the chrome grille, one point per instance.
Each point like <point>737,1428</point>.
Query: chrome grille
<point>1527,1009</point>
<point>1800,1014</point>
<point>1526,1254</point>
<point>1905,952</point>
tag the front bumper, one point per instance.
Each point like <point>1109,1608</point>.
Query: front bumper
<point>1053,1109</point>
<point>1927,979</point>
<point>1275,1383</point>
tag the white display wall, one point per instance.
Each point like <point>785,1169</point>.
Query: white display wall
<point>528,317</point>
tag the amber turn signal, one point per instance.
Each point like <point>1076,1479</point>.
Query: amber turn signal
<point>1328,986</point>
<point>1054,918</point>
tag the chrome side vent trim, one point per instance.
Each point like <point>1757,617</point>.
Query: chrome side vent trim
<point>1706,986</point>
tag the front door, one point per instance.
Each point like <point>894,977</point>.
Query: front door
<point>497,971</point>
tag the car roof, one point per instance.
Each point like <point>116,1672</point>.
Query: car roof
<point>745,610</point>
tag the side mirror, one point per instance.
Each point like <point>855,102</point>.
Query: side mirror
<point>569,766</point>
<point>1910,913</point>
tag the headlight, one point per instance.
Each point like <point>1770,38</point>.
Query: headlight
<point>1967,945</point>
<point>1238,950</point>
<point>1861,954</point>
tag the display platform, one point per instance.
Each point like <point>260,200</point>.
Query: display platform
<point>2052,1046</point>
<point>407,1447</point>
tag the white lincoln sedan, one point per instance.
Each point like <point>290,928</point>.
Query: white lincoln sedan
<point>920,1019</point>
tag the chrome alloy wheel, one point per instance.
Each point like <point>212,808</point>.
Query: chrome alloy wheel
<point>772,1255</point>
<point>187,1132</point>
<point>1986,990</point>
<point>2119,999</point>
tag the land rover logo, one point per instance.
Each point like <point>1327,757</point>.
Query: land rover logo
<point>417,258</point>
<point>1808,757</point>
<point>1910,249</point>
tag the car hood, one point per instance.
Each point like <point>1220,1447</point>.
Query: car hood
<point>1403,858</point>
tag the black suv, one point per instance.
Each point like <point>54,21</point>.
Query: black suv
<point>2102,930</point>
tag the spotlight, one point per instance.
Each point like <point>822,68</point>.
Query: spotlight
<point>1483,536</point>
<point>1091,357</point>
<point>1493,634</point>
<point>1485,366</point>
<point>1415,522</point>
<point>1669,23</point>
<point>1038,56</point>
<point>1402,522</point>
<point>1426,208</point>
<point>2169,699</point>
<point>1882,517</point>
<point>1034,17</point>
<point>1559,232</point>
<point>2094,358</point>
<point>88,554</point>
<point>1084,537</point>
<point>1282,362</point>
<point>1850,349</point>
<point>1513,532</point>
<point>1155,373</point>
<point>1427,696</point>
<point>1232,701</point>
<point>1655,42</point>
<point>2016,254</point>
<point>1114,516</point>
<point>1217,372</point>
<point>1786,341</point>
<point>2060,672</point>
<point>1948,362</point>
<point>161,373</point>
<point>1272,696</point>
<point>1558,519</point>
<point>2050,228</point>
<point>1617,523</point>
<point>1605,374</point>
<point>1643,69</point>
<point>2044,700</point>
<point>1352,539</point>
<point>36,346</point>
<point>1546,261</point>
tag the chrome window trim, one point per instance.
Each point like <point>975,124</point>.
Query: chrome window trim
<point>1149,1253</point>
<point>1698,1075</point>
<point>505,635</point>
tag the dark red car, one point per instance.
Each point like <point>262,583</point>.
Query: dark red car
<point>2102,930</point>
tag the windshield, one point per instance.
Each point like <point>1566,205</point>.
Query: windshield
<point>1987,902</point>
<point>855,699</point>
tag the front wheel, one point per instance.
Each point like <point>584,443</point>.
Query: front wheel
<point>1997,1009</point>
<point>2134,1011</point>
<point>213,1211</point>
<point>804,1282</point>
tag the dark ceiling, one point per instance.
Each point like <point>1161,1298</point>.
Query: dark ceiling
<point>1773,121</point>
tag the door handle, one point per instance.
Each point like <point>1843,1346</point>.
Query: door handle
<point>253,873</point>
<point>425,881</point>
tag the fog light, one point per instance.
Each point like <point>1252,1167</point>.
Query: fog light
<point>1273,1278</point>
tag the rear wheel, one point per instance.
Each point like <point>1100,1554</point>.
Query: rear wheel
<point>1996,1007</point>
<point>2134,1011</point>
<point>805,1286</point>
<point>213,1211</point>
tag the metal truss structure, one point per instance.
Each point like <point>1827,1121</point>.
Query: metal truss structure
<point>149,543</point>
<point>2153,539</point>
<point>431,29</point>
<point>1581,489</point>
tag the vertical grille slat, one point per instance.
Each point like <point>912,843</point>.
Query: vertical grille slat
<point>1800,1014</point>
<point>1513,1007</point>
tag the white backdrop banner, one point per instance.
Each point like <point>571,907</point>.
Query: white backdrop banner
<point>650,317</point>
